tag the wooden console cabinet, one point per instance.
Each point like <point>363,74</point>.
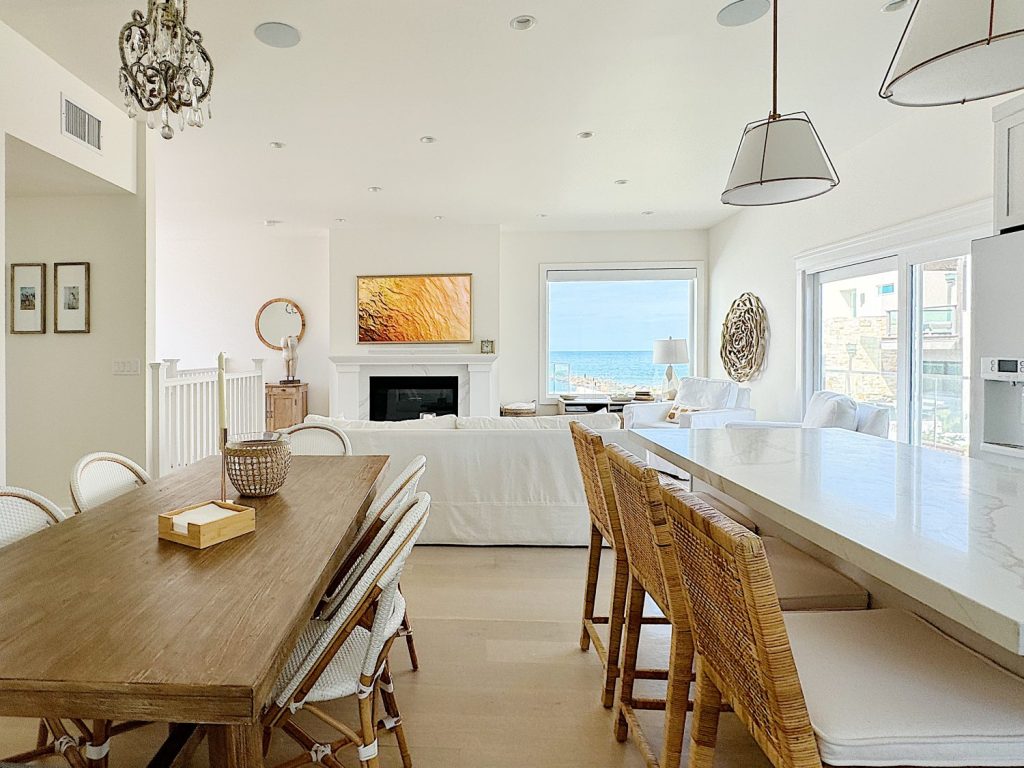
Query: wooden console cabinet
<point>287,405</point>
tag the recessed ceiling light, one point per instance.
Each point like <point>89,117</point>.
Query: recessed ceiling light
<point>585,135</point>
<point>438,218</point>
<point>523,23</point>
<point>427,139</point>
<point>277,34</point>
<point>620,182</point>
<point>277,145</point>
<point>646,213</point>
<point>272,222</point>
<point>741,12</point>
<point>374,189</point>
<point>894,5</point>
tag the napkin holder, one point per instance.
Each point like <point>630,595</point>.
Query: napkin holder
<point>241,521</point>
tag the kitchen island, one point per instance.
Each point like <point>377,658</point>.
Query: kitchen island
<point>944,532</point>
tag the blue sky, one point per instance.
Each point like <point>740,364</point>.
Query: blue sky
<point>630,315</point>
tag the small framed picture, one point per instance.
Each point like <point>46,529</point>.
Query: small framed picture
<point>71,297</point>
<point>486,346</point>
<point>28,298</point>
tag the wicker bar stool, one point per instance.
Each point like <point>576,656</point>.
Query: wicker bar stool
<point>640,496</point>
<point>604,527</point>
<point>878,687</point>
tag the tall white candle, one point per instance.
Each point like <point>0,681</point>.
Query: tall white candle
<point>222,393</point>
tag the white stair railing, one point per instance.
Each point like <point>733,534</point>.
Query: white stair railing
<point>184,415</point>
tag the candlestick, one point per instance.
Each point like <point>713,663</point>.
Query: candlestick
<point>223,465</point>
<point>222,392</point>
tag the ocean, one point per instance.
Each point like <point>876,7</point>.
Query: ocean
<point>605,371</point>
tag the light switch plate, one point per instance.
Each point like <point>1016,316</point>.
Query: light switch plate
<point>128,367</point>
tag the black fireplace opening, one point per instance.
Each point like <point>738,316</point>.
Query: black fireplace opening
<point>397,398</point>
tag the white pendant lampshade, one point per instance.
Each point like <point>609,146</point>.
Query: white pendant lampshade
<point>955,51</point>
<point>780,160</point>
<point>670,351</point>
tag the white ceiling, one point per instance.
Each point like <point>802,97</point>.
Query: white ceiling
<point>665,89</point>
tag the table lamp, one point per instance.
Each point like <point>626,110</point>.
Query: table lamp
<point>670,352</point>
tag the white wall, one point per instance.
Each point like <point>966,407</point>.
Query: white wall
<point>30,90</point>
<point>210,287</point>
<point>62,400</point>
<point>409,251</point>
<point>522,253</point>
<point>932,160</point>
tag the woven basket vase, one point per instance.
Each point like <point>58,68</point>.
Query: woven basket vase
<point>258,466</point>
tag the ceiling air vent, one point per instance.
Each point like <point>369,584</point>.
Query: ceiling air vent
<point>78,124</point>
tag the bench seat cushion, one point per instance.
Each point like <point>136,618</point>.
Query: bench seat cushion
<point>885,688</point>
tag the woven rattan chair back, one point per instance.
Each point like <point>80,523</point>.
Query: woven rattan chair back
<point>738,628</point>
<point>597,483</point>
<point>23,513</point>
<point>380,521</point>
<point>638,503</point>
<point>379,580</point>
<point>99,477</point>
<point>318,440</point>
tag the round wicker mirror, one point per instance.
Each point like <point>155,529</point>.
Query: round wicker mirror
<point>278,318</point>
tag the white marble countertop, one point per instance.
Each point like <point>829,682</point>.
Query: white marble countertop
<point>945,530</point>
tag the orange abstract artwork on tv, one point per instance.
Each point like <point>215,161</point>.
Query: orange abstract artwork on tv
<point>415,309</point>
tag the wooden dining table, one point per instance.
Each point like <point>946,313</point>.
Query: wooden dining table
<point>100,619</point>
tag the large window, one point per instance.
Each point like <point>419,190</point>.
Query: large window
<point>599,324</point>
<point>918,372</point>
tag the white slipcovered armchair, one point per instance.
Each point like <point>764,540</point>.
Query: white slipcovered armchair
<point>832,410</point>
<point>711,403</point>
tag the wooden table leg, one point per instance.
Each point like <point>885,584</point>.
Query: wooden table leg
<point>235,746</point>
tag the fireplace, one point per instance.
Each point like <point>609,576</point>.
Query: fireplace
<point>397,398</point>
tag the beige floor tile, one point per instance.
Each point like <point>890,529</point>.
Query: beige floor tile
<point>502,682</point>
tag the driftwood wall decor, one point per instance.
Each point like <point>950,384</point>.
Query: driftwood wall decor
<point>744,338</point>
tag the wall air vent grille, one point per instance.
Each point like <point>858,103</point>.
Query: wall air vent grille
<point>80,125</point>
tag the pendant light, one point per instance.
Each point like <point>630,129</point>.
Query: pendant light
<point>781,159</point>
<point>955,51</point>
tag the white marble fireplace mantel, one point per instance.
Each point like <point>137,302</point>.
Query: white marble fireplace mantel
<point>350,379</point>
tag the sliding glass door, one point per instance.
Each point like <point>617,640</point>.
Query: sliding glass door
<point>940,361</point>
<point>857,331</point>
<point>894,332</point>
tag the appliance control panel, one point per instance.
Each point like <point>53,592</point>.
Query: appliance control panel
<point>1002,369</point>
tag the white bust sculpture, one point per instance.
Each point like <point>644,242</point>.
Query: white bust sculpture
<point>290,354</point>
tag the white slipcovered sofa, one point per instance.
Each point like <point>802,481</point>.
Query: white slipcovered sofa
<point>832,410</point>
<point>710,403</point>
<point>492,481</point>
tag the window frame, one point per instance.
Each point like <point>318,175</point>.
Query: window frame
<point>698,324</point>
<point>948,234</point>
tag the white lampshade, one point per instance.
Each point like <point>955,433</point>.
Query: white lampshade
<point>779,161</point>
<point>670,351</point>
<point>950,55</point>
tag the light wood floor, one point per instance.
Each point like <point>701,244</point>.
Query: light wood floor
<point>502,681</point>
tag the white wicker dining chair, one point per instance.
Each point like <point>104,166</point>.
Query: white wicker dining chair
<point>338,657</point>
<point>318,440</point>
<point>372,535</point>
<point>23,512</point>
<point>99,477</point>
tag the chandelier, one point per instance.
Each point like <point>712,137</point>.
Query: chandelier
<point>165,70</point>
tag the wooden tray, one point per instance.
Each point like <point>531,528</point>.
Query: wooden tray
<point>203,535</point>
